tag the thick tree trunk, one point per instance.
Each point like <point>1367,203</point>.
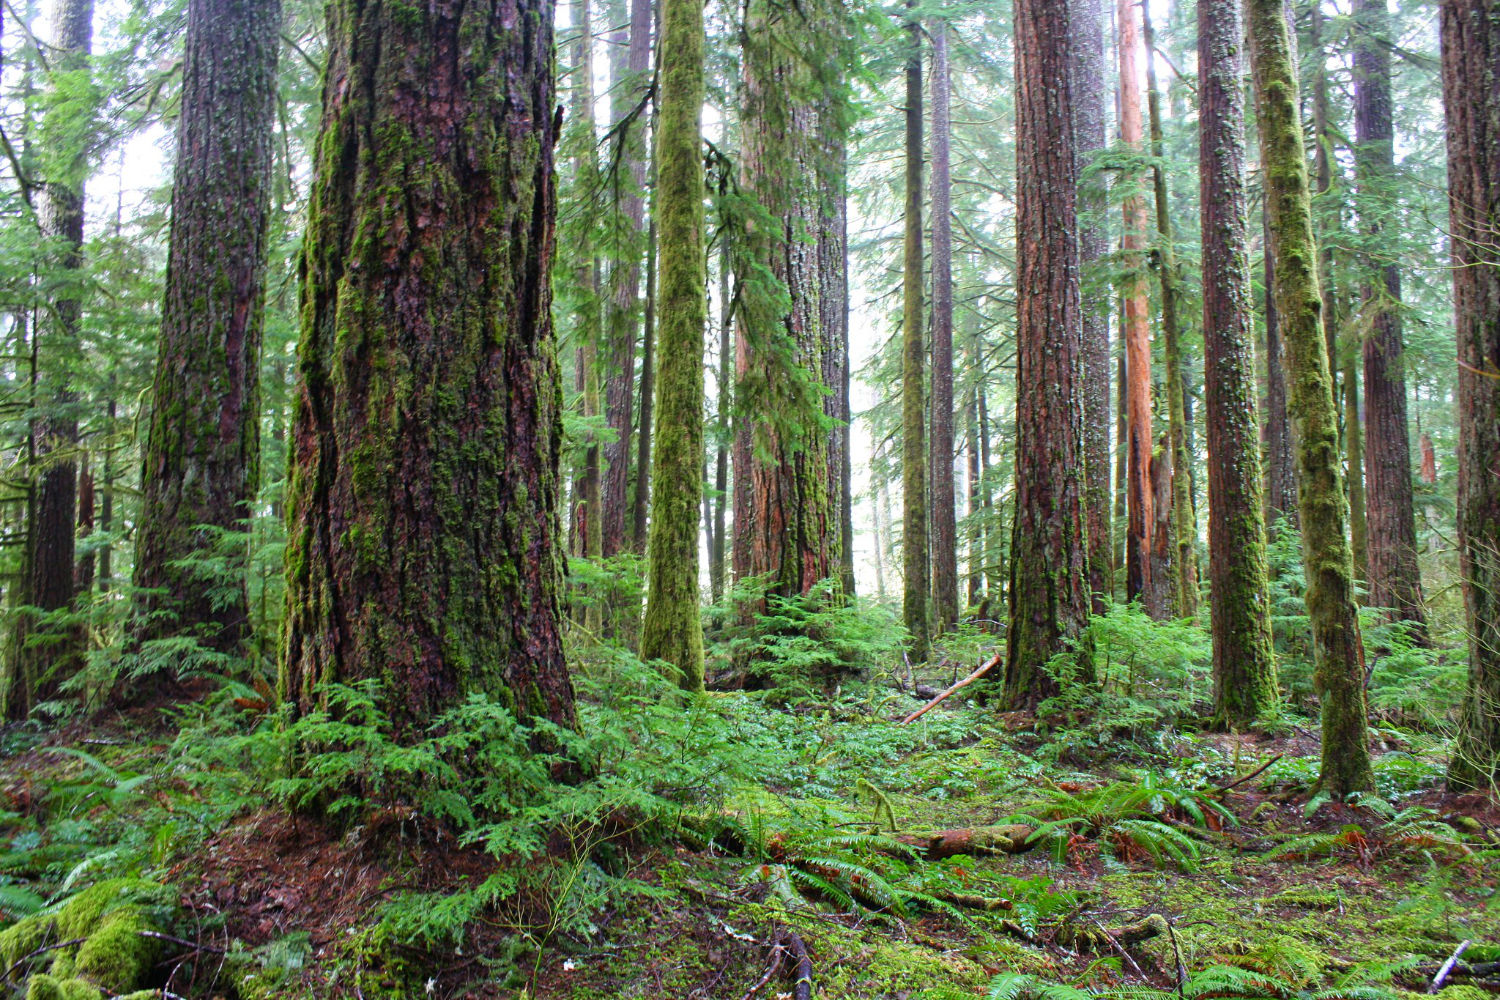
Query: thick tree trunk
<point>200,469</point>
<point>673,630</point>
<point>1183,527</point>
<point>1244,668</point>
<point>1089,89</point>
<point>913,438</point>
<point>942,494</point>
<point>1391,553</point>
<point>1140,441</point>
<point>424,544</point>
<point>1471,91</point>
<point>1338,652</point>
<point>623,309</point>
<point>44,654</point>
<point>1049,576</point>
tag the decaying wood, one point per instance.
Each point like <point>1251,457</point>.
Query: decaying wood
<point>802,988</point>
<point>1006,839</point>
<point>983,669</point>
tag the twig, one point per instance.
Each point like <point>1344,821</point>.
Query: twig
<point>39,951</point>
<point>1442,973</point>
<point>802,988</point>
<point>1177,956</point>
<point>1240,781</point>
<point>983,669</point>
<point>777,949</point>
<point>1116,945</point>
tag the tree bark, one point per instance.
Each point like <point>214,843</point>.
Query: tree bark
<point>1281,470</point>
<point>944,502</point>
<point>1390,513</point>
<point>913,438</point>
<point>1471,91</point>
<point>642,499</point>
<point>1049,573</point>
<point>1338,652</point>
<point>1244,667</point>
<point>201,464</point>
<point>424,542</point>
<point>1089,88</point>
<point>673,630</point>
<point>716,553</point>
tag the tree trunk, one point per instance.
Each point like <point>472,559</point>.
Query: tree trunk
<point>46,653</point>
<point>913,441</point>
<point>1338,653</point>
<point>1390,514</point>
<point>1281,471</point>
<point>1089,88</point>
<point>975,508</point>
<point>642,499</point>
<point>944,502</point>
<point>1137,389</point>
<point>1244,667</point>
<point>1049,574</point>
<point>1471,91</point>
<point>673,630</point>
<point>716,552</point>
<point>1183,526</point>
<point>631,94</point>
<point>424,544</point>
<point>833,268</point>
<point>200,469</point>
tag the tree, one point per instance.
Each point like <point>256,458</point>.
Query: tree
<point>1137,389</point>
<point>915,567</point>
<point>672,630</point>
<point>1093,240</point>
<point>1049,573</point>
<point>424,542</point>
<point>200,467</point>
<point>1471,91</point>
<point>1338,652</point>
<point>1244,668</point>
<point>944,502</point>
<point>45,652</point>
<point>1390,519</point>
<point>1281,470</point>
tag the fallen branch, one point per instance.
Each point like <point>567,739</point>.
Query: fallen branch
<point>1460,970</point>
<point>777,949</point>
<point>1007,839</point>
<point>983,669</point>
<point>1240,781</point>
<point>802,988</point>
<point>1447,968</point>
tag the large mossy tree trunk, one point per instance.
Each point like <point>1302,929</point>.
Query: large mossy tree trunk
<point>424,546</point>
<point>46,649</point>
<point>1471,91</point>
<point>1244,668</point>
<point>1390,517</point>
<point>942,492</point>
<point>200,466</point>
<point>673,630</point>
<point>915,566</point>
<point>1338,653</point>
<point>1089,89</point>
<point>1049,572</point>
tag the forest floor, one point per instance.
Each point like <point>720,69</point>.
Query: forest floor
<point>800,873</point>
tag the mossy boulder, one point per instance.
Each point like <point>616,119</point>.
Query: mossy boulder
<point>114,952</point>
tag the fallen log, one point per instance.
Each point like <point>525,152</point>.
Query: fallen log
<point>1010,838</point>
<point>1083,937</point>
<point>802,987</point>
<point>983,669</point>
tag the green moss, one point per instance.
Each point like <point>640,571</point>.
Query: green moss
<point>114,954</point>
<point>117,954</point>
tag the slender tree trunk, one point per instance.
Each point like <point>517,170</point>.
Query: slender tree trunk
<point>1089,89</point>
<point>673,629</point>
<point>1140,442</point>
<point>913,439</point>
<point>424,543</point>
<point>107,501</point>
<point>975,505</point>
<point>1338,652</point>
<point>1184,529</point>
<point>623,310</point>
<point>881,517</point>
<point>44,653</point>
<point>589,321</point>
<point>1395,580</point>
<point>1049,573</point>
<point>1471,91</point>
<point>833,268</point>
<point>944,502</point>
<point>1244,667</point>
<point>83,573</point>
<point>716,560</point>
<point>642,500</point>
<point>993,536</point>
<point>1281,471</point>
<point>1122,424</point>
<point>201,464</point>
